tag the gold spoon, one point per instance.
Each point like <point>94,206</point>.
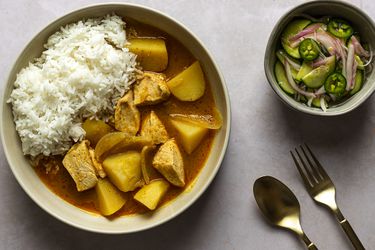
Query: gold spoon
<point>280,206</point>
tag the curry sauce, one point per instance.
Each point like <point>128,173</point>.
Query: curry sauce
<point>62,184</point>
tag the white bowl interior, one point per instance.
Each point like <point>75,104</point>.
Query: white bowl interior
<point>63,210</point>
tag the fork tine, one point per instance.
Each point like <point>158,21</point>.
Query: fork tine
<point>316,174</point>
<point>304,177</point>
<point>323,173</point>
<point>307,170</point>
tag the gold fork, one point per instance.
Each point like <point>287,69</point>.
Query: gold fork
<point>321,188</point>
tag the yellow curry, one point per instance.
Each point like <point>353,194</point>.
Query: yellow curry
<point>155,145</point>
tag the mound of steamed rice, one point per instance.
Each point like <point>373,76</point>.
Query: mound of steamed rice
<point>84,70</point>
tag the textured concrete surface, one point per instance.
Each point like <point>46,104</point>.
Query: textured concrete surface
<point>264,130</point>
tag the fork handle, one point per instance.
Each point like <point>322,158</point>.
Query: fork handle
<point>349,231</point>
<point>351,235</point>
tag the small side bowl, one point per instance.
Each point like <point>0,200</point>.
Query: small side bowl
<point>361,22</point>
<point>65,211</point>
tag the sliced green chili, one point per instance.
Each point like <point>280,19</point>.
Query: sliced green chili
<point>335,84</point>
<point>309,49</point>
<point>340,28</point>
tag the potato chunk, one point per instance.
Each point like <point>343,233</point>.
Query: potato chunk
<point>189,85</point>
<point>152,89</point>
<point>191,135</point>
<point>168,161</point>
<point>110,199</point>
<point>127,116</point>
<point>124,170</point>
<point>151,53</point>
<point>95,129</point>
<point>79,165</point>
<point>151,194</point>
<point>154,129</point>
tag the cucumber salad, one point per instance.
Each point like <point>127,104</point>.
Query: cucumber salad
<point>321,61</point>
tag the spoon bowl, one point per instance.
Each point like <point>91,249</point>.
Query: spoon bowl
<point>280,206</point>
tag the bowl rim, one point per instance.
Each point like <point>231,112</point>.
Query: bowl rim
<point>207,182</point>
<point>280,93</point>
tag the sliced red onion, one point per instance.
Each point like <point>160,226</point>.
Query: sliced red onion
<point>343,58</point>
<point>320,62</point>
<point>293,84</point>
<point>310,29</point>
<point>341,53</point>
<point>358,47</point>
<point>355,65</point>
<point>310,101</point>
<point>294,65</point>
<point>333,45</point>
<point>323,104</point>
<point>349,66</point>
<point>327,41</point>
<point>369,60</point>
<point>320,91</point>
<point>295,43</point>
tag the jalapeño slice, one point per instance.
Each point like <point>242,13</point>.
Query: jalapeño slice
<point>340,28</point>
<point>335,84</point>
<point>309,49</point>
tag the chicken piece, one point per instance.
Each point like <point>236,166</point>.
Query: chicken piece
<point>97,165</point>
<point>168,161</point>
<point>152,89</point>
<point>154,129</point>
<point>127,116</point>
<point>79,165</point>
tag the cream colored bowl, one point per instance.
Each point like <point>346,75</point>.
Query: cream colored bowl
<point>63,210</point>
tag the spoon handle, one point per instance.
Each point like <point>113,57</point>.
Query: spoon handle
<point>308,242</point>
<point>312,247</point>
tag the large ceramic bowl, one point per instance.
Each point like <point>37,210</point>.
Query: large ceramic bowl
<point>63,210</point>
<point>361,22</point>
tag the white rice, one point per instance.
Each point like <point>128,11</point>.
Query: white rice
<point>79,75</point>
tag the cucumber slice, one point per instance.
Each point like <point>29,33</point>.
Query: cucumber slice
<point>358,82</point>
<point>305,69</point>
<point>359,63</point>
<point>303,99</point>
<point>331,63</point>
<point>282,80</point>
<point>316,77</point>
<point>356,57</point>
<point>316,102</point>
<point>292,29</point>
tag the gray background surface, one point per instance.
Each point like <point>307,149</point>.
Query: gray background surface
<point>264,130</point>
